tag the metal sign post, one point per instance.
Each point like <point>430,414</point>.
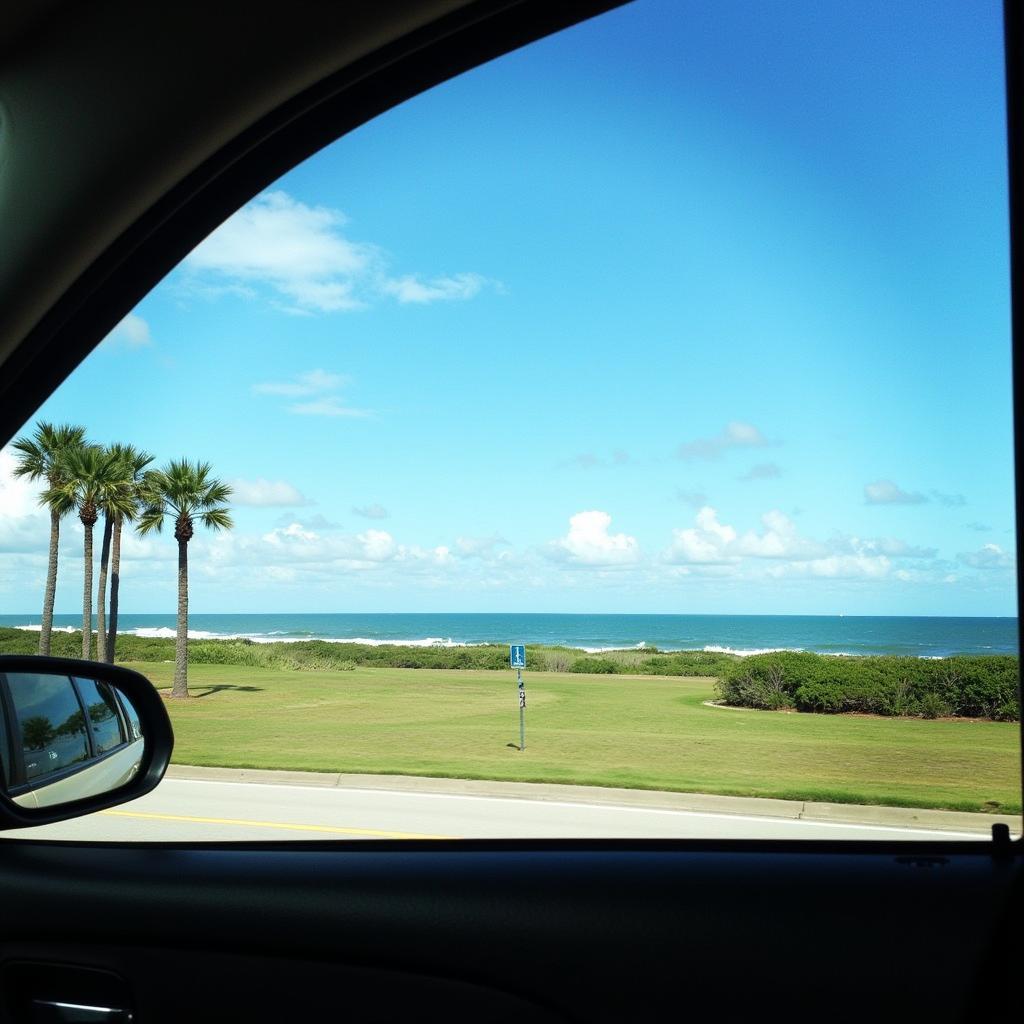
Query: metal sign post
<point>517,657</point>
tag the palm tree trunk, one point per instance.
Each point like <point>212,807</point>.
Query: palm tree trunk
<point>87,595</point>
<point>115,584</point>
<point>101,591</point>
<point>51,585</point>
<point>180,688</point>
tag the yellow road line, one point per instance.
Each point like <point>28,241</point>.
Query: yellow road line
<point>375,833</point>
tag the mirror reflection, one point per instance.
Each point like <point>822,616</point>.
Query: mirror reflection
<point>66,738</point>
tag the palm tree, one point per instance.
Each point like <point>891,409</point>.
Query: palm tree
<point>41,457</point>
<point>119,507</point>
<point>183,491</point>
<point>92,477</point>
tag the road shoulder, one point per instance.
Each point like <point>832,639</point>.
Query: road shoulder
<point>797,810</point>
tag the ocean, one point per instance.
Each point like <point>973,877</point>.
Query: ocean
<point>926,637</point>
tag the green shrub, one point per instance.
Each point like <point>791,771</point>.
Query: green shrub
<point>768,681</point>
<point>977,686</point>
<point>931,705</point>
<point>605,666</point>
<point>974,686</point>
<point>687,663</point>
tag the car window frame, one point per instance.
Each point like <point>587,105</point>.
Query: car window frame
<point>108,288</point>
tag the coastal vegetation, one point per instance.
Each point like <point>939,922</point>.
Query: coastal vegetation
<point>88,479</point>
<point>641,732</point>
<point>314,655</point>
<point>969,686</point>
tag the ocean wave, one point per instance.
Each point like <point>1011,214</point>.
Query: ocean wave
<point>166,633</point>
<point>428,641</point>
<point>55,629</point>
<point>279,637</point>
<point>748,652</point>
<point>604,650</point>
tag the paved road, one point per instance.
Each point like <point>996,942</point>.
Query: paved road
<point>189,811</point>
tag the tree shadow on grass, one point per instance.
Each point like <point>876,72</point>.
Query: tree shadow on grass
<point>226,686</point>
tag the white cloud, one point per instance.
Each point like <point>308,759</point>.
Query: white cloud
<point>314,522</point>
<point>295,249</point>
<point>313,382</point>
<point>377,545</point>
<point>24,526</point>
<point>885,492</point>
<point>712,542</point>
<point>893,547</point>
<point>318,387</point>
<point>848,567</point>
<point>329,405</point>
<point>734,435</point>
<point>588,542</point>
<point>478,547</point>
<point>301,255</point>
<point>298,546</point>
<point>411,288</point>
<point>709,541</point>
<point>266,493</point>
<point>131,332</point>
<point>19,496</point>
<point>374,511</point>
<point>990,556</point>
<point>293,531</point>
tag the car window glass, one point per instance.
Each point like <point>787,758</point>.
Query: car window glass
<point>132,718</point>
<point>101,705</point>
<point>632,413</point>
<point>51,723</point>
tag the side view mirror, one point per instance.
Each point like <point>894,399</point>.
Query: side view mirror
<point>76,737</point>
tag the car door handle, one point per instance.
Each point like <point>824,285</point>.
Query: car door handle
<point>36,992</point>
<point>53,1011</point>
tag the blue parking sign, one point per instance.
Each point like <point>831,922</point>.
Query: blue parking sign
<point>518,653</point>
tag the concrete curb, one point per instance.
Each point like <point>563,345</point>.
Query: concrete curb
<point>857,814</point>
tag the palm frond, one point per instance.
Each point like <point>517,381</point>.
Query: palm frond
<point>151,519</point>
<point>60,499</point>
<point>216,493</point>
<point>217,519</point>
<point>183,488</point>
<point>41,455</point>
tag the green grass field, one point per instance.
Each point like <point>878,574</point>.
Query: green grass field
<point>645,732</point>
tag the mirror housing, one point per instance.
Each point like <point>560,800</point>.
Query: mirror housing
<point>76,737</point>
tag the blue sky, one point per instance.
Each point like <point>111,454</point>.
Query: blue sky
<point>692,308</point>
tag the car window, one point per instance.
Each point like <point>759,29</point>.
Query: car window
<point>131,717</point>
<point>104,720</point>
<point>615,440</point>
<point>51,723</point>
